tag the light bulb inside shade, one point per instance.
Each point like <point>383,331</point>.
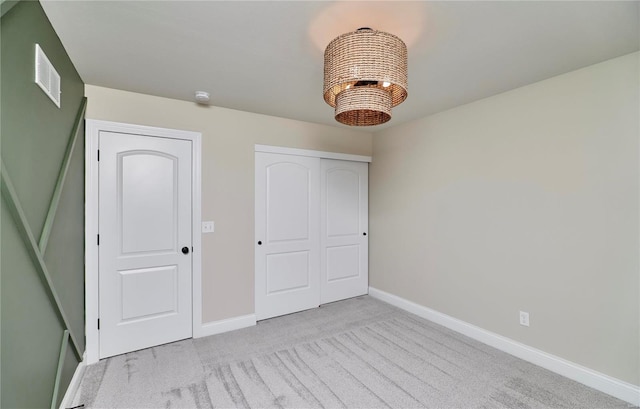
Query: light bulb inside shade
<point>386,84</point>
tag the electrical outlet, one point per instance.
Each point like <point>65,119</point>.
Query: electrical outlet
<point>524,318</point>
<point>207,227</point>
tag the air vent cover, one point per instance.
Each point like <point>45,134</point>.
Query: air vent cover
<point>47,77</point>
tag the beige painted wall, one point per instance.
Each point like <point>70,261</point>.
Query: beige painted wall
<point>228,139</point>
<point>526,200</point>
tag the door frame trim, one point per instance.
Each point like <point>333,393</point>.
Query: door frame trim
<point>311,153</point>
<point>92,130</point>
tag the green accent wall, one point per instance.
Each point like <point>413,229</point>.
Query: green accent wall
<point>34,134</point>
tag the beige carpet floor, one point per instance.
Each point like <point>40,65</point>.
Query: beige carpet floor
<point>357,353</point>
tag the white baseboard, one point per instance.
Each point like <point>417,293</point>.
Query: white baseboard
<point>230,324</point>
<point>596,380</point>
<point>67,399</point>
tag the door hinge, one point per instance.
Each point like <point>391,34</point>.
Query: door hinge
<point>98,323</point>
<point>191,249</point>
<point>98,239</point>
<point>98,155</point>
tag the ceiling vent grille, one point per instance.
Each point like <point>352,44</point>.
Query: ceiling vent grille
<point>47,77</point>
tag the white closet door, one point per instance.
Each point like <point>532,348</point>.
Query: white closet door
<point>287,234</point>
<point>344,225</point>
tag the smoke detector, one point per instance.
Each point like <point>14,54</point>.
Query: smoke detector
<point>202,97</point>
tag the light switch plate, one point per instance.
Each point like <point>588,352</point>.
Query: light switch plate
<point>207,227</point>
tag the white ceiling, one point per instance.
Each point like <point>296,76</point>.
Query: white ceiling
<point>267,56</point>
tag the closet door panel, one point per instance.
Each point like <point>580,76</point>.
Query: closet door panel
<point>344,225</point>
<point>287,248</point>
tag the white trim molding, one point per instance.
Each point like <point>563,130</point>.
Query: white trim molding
<point>314,154</point>
<point>67,399</point>
<point>604,383</point>
<point>230,324</point>
<point>93,129</point>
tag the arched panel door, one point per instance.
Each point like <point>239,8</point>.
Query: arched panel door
<point>344,225</point>
<point>145,262</point>
<point>287,241</point>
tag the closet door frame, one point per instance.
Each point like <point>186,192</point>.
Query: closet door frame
<point>304,153</point>
<point>311,153</point>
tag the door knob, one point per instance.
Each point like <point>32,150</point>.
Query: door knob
<point>259,243</point>
<point>185,250</point>
<point>364,234</point>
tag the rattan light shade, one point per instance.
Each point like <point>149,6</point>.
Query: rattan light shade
<point>363,106</point>
<point>365,74</point>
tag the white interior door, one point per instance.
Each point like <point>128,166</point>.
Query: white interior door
<point>344,225</point>
<point>287,234</point>
<point>145,262</point>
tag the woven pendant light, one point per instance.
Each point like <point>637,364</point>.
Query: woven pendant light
<point>365,75</point>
